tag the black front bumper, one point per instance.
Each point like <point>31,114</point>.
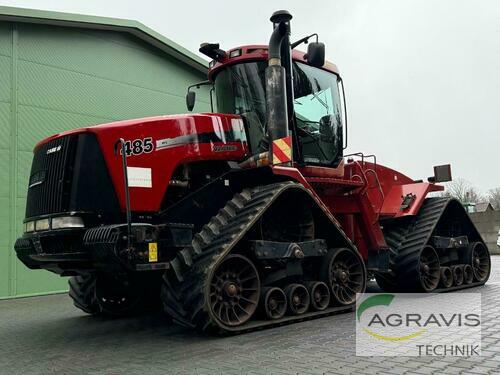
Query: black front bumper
<point>59,251</point>
<point>72,251</point>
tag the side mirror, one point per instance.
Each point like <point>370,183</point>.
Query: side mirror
<point>316,54</point>
<point>190,100</point>
<point>442,173</point>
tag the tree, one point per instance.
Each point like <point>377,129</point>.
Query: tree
<point>494,198</point>
<point>463,191</point>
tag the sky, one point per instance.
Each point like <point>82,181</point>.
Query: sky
<point>422,77</point>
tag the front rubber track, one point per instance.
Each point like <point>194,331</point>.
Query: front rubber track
<point>185,284</point>
<point>82,292</point>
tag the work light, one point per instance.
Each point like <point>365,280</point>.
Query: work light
<point>67,222</point>
<point>29,226</point>
<point>42,224</point>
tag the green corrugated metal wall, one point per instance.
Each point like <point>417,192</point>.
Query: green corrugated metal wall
<point>58,78</point>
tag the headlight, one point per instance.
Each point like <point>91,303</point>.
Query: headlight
<point>67,222</point>
<point>30,226</point>
<point>42,224</point>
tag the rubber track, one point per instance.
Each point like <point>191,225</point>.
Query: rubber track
<point>393,237</point>
<point>82,292</point>
<point>183,291</point>
<point>407,241</point>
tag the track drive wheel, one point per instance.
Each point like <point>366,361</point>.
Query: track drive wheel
<point>478,257</point>
<point>234,290</point>
<point>429,269</point>
<point>420,272</point>
<point>344,272</point>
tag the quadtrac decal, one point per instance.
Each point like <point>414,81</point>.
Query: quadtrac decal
<point>139,146</point>
<point>176,141</point>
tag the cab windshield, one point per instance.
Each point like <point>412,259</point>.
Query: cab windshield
<point>240,89</point>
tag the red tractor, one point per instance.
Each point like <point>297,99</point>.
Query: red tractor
<point>248,217</point>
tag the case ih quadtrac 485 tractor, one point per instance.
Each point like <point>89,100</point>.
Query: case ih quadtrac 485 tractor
<point>248,217</point>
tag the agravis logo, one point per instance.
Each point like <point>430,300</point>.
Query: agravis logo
<point>383,300</point>
<point>415,324</point>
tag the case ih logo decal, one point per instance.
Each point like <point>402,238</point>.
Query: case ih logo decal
<point>139,146</point>
<point>224,148</point>
<point>54,149</point>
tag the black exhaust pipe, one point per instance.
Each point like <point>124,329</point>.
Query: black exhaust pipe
<point>276,95</point>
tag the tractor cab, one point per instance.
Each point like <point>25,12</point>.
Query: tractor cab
<point>315,106</point>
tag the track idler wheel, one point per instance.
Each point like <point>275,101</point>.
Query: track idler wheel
<point>446,277</point>
<point>298,299</point>
<point>478,257</point>
<point>344,272</point>
<point>234,290</point>
<point>429,269</point>
<point>320,295</point>
<point>273,302</point>
<point>468,274</point>
<point>458,275</point>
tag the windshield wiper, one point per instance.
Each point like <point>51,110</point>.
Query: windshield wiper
<point>316,95</point>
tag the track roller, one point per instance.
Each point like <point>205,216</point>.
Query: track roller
<point>345,274</point>
<point>458,275</point>
<point>320,295</point>
<point>468,274</point>
<point>446,277</point>
<point>298,299</point>
<point>478,257</point>
<point>273,302</point>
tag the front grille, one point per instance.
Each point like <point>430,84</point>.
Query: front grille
<point>50,179</point>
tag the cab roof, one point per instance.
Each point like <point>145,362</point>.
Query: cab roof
<point>257,53</point>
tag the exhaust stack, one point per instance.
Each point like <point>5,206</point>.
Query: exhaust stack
<point>276,95</point>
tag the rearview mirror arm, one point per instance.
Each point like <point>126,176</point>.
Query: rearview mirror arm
<point>304,40</point>
<point>204,83</point>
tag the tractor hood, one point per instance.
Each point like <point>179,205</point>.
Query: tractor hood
<point>155,147</point>
<point>173,125</point>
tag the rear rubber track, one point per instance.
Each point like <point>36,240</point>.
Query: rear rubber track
<point>407,241</point>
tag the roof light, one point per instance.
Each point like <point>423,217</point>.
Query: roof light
<point>235,53</point>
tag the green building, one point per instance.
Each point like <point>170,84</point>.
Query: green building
<point>63,71</point>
